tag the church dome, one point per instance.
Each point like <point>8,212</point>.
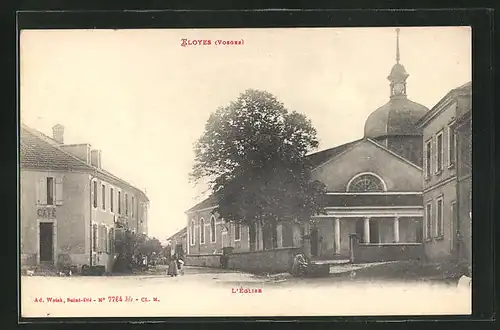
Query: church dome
<point>400,115</point>
<point>397,117</point>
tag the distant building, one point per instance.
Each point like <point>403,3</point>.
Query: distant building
<point>178,242</point>
<point>69,204</point>
<point>447,176</point>
<point>374,189</point>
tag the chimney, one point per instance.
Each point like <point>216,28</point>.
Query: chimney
<point>58,133</point>
<point>81,151</point>
<point>95,158</point>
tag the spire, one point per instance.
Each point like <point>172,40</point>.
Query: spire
<point>397,45</point>
<point>398,74</point>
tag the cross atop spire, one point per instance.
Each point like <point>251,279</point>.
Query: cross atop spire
<point>397,45</point>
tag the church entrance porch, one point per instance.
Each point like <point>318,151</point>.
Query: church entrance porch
<point>329,234</point>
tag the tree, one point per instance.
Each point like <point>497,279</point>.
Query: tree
<point>252,153</point>
<point>129,246</point>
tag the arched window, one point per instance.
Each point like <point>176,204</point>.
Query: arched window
<point>366,183</point>
<point>192,233</point>
<point>202,231</point>
<point>212,229</point>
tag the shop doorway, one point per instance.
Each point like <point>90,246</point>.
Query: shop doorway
<point>46,239</point>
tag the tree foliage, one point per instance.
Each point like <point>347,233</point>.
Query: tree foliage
<point>253,154</point>
<point>129,247</point>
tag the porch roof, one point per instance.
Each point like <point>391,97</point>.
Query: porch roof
<point>373,200</point>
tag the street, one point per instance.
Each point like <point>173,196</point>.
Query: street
<point>213,292</point>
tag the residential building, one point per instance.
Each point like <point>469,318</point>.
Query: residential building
<point>463,136</point>
<point>442,228</point>
<point>69,204</point>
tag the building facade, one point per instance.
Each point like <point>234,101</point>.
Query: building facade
<point>208,234</point>
<point>442,230</point>
<point>374,189</point>
<point>69,205</point>
<point>178,243</point>
<point>463,135</point>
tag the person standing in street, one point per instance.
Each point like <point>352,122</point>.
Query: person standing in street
<point>172,267</point>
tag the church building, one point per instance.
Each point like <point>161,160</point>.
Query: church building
<point>374,189</point>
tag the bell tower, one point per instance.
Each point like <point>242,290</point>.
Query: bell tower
<point>398,75</point>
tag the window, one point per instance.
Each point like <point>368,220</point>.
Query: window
<point>427,159</point>
<point>428,221</point>
<point>192,234</point>
<point>133,207</point>
<point>111,199</point>
<point>120,202</point>
<point>103,198</point>
<point>94,237</point>
<point>451,146</point>
<point>202,231</point>
<point>126,204</point>
<point>365,183</point>
<point>50,191</point>
<point>237,231</point>
<point>439,153</point>
<point>439,218</point>
<point>94,203</point>
<point>212,230</point>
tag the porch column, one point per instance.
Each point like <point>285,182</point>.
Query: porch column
<point>337,235</point>
<point>307,240</point>
<point>260,236</point>
<point>396,230</point>
<point>279,235</point>
<point>366,231</point>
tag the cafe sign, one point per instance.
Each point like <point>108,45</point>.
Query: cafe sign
<point>46,212</point>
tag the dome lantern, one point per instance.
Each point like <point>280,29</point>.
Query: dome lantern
<point>398,74</point>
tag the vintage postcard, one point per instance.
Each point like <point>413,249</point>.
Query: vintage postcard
<point>245,172</point>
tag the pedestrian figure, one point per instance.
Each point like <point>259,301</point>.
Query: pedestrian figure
<point>180,265</point>
<point>321,246</point>
<point>173,267</point>
<point>300,265</point>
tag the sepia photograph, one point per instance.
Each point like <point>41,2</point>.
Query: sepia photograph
<point>259,172</point>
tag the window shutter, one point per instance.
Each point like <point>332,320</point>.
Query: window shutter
<point>59,191</point>
<point>42,192</point>
<point>39,192</point>
<point>426,164</point>
<point>96,238</point>
<point>106,239</point>
<point>103,242</point>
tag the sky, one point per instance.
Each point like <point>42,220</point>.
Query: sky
<point>143,99</point>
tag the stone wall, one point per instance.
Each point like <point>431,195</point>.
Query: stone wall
<point>270,261</point>
<point>204,260</point>
<point>377,252</point>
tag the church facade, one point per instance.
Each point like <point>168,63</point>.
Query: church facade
<point>374,190</point>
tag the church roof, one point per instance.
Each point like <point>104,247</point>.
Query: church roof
<point>180,233</point>
<point>204,204</point>
<point>399,116</point>
<point>320,157</point>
